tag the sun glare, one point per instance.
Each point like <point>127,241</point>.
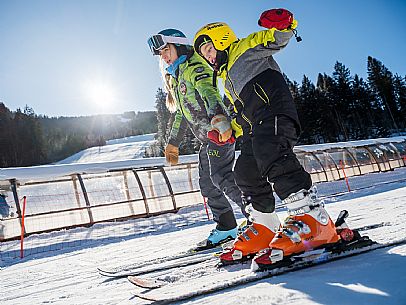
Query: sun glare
<point>101,94</point>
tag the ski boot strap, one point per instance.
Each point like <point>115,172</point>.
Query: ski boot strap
<point>303,210</point>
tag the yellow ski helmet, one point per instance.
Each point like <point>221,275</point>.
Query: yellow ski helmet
<point>219,33</point>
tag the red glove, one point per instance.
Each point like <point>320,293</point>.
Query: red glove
<point>213,136</point>
<point>280,18</point>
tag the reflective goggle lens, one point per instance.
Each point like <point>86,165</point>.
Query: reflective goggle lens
<point>156,43</point>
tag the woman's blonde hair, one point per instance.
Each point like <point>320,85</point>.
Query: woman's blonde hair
<point>166,78</point>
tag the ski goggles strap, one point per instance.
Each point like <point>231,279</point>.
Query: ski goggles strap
<point>159,41</point>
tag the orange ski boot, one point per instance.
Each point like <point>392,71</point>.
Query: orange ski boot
<point>256,237</point>
<point>308,227</point>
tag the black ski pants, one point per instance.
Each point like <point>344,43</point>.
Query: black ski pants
<point>267,158</point>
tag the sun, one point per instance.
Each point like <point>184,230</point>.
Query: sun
<point>100,93</point>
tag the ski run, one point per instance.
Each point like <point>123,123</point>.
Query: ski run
<point>182,259</point>
<point>69,276</point>
<point>243,275</point>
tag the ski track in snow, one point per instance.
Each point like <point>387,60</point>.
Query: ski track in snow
<point>373,278</point>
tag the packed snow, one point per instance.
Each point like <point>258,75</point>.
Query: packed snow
<point>69,275</point>
<point>149,137</point>
<point>128,148</point>
<point>61,267</point>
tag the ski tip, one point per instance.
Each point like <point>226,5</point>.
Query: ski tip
<point>103,272</point>
<point>145,283</point>
<point>143,296</point>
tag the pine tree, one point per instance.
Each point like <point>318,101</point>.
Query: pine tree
<point>330,120</point>
<point>35,145</point>
<point>343,99</point>
<point>381,82</point>
<point>400,95</point>
<point>368,110</point>
<point>308,112</point>
<point>6,122</point>
<point>25,139</point>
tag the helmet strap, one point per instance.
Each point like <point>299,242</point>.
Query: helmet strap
<point>221,60</point>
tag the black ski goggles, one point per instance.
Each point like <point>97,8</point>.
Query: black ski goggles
<point>159,41</point>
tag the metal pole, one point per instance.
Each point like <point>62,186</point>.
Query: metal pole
<point>169,186</point>
<point>13,183</point>
<point>144,196</point>
<point>82,185</point>
<point>22,228</point>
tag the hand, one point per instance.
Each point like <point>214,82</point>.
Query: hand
<point>213,136</point>
<point>172,154</point>
<point>280,19</point>
<point>221,124</point>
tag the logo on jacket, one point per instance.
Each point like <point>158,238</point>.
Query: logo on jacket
<point>199,69</point>
<point>213,153</point>
<point>182,88</point>
<point>202,76</point>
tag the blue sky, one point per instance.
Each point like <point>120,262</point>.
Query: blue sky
<point>84,57</point>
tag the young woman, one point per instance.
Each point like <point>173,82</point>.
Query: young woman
<point>198,105</point>
<point>267,116</point>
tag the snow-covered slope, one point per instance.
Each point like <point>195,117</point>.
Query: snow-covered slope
<point>119,149</point>
<point>132,139</point>
<point>62,277</point>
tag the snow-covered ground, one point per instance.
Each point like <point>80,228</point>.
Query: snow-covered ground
<point>118,149</point>
<point>132,139</point>
<point>69,275</point>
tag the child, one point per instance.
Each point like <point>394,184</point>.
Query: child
<point>266,113</point>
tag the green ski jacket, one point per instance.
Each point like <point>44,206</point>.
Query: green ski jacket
<point>197,100</point>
